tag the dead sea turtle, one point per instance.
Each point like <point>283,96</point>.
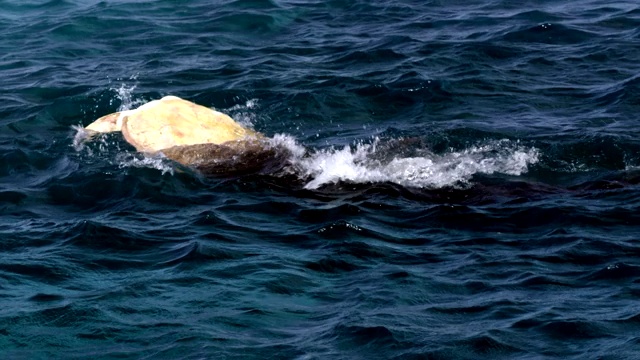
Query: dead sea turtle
<point>192,135</point>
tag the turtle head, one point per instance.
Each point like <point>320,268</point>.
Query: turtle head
<point>108,123</point>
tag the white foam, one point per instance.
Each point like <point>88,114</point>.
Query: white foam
<point>360,164</point>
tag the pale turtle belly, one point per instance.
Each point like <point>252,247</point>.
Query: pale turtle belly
<point>172,121</point>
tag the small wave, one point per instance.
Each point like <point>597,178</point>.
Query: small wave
<point>362,164</point>
<point>548,33</point>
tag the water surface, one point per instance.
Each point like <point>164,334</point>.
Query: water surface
<point>464,181</point>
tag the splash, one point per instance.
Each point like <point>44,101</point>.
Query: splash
<point>244,114</point>
<point>124,93</point>
<point>80,137</point>
<point>290,143</point>
<point>130,160</point>
<point>363,164</point>
<point>109,147</point>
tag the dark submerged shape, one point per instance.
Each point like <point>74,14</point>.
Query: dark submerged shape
<point>231,158</point>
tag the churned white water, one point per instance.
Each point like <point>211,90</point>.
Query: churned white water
<point>359,164</point>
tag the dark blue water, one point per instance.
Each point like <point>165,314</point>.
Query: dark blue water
<point>464,181</point>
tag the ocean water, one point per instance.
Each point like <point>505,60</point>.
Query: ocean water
<point>464,181</point>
